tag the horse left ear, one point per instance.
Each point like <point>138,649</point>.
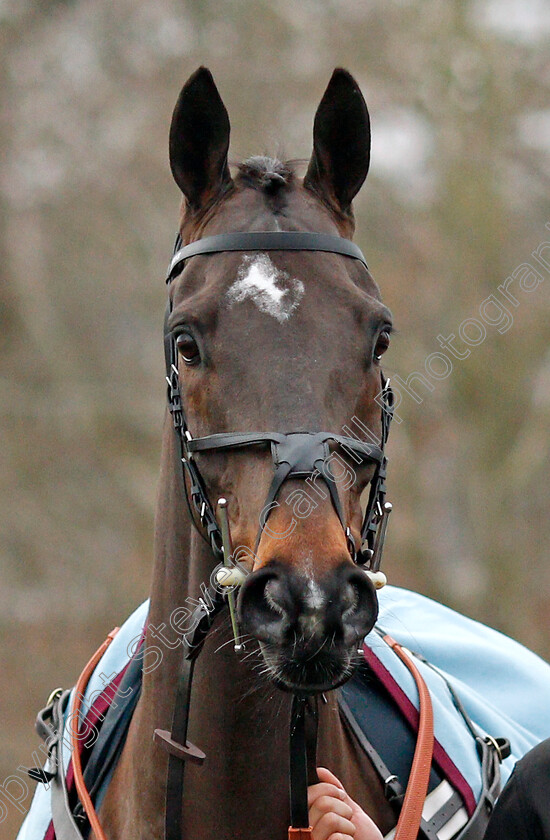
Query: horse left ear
<point>341,142</point>
<point>199,140</point>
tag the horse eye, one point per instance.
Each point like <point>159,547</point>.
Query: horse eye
<point>188,349</point>
<point>382,344</point>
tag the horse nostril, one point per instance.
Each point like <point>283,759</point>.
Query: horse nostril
<point>359,605</point>
<point>274,595</point>
<point>350,600</point>
<point>264,605</point>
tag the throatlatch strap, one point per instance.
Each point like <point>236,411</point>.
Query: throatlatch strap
<point>410,817</point>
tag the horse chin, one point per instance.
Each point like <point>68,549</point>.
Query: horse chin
<point>308,675</point>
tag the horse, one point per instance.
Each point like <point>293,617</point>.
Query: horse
<point>266,340</point>
<point>278,413</point>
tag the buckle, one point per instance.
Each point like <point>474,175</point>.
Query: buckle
<point>381,529</point>
<point>57,692</point>
<point>500,745</point>
<point>43,723</point>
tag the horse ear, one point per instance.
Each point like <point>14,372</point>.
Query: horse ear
<point>199,140</point>
<point>341,142</point>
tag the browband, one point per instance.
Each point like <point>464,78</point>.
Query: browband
<point>264,240</point>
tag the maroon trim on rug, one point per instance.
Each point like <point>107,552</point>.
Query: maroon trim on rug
<point>410,713</point>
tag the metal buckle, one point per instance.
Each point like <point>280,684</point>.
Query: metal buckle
<point>500,745</point>
<point>351,544</point>
<point>381,529</point>
<point>57,692</point>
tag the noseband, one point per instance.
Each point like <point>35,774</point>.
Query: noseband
<point>296,454</point>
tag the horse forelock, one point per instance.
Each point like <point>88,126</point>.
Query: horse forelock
<point>267,174</point>
<point>266,192</point>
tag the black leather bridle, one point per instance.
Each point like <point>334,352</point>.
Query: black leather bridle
<point>295,454</point>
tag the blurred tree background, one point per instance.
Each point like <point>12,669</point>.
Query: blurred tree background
<point>455,202</point>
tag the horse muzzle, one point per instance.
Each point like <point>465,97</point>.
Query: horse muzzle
<point>308,629</point>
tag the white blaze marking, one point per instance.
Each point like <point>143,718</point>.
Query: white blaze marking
<point>315,598</point>
<point>274,292</point>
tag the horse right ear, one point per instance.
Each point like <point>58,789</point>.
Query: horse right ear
<point>341,143</point>
<point>199,140</point>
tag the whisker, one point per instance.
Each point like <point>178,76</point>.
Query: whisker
<point>319,649</point>
<point>254,652</point>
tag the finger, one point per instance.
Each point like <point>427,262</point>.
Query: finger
<point>339,836</point>
<point>366,828</point>
<point>324,789</point>
<point>332,824</point>
<point>329,805</point>
<point>326,776</point>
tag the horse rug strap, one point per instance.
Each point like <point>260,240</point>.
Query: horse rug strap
<point>62,814</point>
<point>50,725</point>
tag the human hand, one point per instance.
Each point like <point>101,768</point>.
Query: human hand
<point>333,815</point>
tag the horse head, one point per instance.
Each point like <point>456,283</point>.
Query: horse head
<point>273,348</point>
